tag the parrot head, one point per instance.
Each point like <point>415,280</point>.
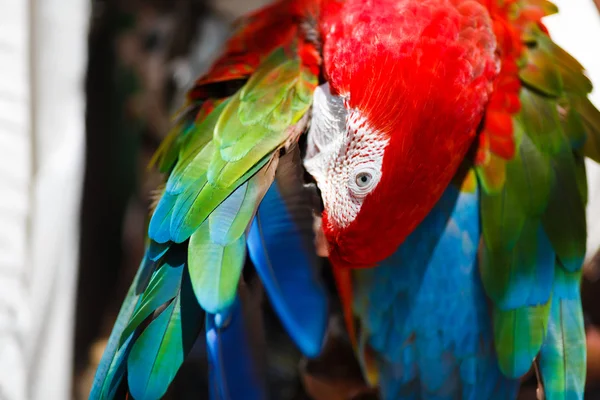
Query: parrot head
<point>404,96</point>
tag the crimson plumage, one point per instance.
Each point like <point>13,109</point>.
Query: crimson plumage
<point>421,73</point>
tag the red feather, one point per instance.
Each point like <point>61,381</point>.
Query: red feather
<point>497,134</point>
<point>421,72</point>
<point>256,36</point>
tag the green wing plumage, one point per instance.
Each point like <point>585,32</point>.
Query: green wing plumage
<point>219,159</point>
<point>534,228</point>
<point>232,143</point>
<point>217,249</point>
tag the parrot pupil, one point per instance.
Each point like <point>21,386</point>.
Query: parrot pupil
<point>363,179</point>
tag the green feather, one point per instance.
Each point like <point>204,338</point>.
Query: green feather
<point>258,102</point>
<point>534,228</point>
<point>516,258</point>
<point>217,249</point>
<point>518,337</point>
<point>524,195</point>
<point>505,272</point>
<point>529,176</point>
<point>502,219</point>
<point>572,72</point>
<point>581,178</point>
<point>236,140</point>
<point>220,168</point>
<point>259,117</point>
<point>215,269</point>
<point>543,55</point>
<point>199,200</point>
<point>231,219</point>
<point>591,120</point>
<point>540,120</point>
<point>187,186</point>
<point>492,175</point>
<point>277,57</point>
<point>562,358</point>
<point>195,156</point>
<point>540,72</point>
<point>233,142</point>
<point>201,133</point>
<point>564,219</point>
<point>548,7</point>
<point>572,123</point>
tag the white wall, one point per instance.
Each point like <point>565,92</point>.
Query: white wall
<point>43,53</point>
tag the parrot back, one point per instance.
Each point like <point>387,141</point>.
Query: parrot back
<point>424,327</point>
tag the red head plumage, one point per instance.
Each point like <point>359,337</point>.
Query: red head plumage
<point>416,75</point>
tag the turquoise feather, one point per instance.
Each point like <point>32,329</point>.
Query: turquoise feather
<point>163,287</point>
<point>111,369</point>
<point>159,228</point>
<point>161,348</point>
<point>562,358</point>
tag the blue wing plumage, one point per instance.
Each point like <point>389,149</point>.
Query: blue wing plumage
<point>428,325</point>
<point>233,369</point>
<point>286,265</point>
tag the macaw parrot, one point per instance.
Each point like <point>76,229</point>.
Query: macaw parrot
<point>447,141</point>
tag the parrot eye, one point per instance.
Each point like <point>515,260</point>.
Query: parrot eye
<point>363,179</point>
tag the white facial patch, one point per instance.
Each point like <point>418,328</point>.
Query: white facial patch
<point>344,155</point>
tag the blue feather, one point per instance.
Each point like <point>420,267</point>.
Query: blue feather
<point>281,246</point>
<point>157,250</point>
<point>540,290</point>
<point>423,311</point>
<point>233,371</point>
<point>529,270</point>
<point>146,270</point>
<point>154,252</point>
<point>159,228</point>
<point>287,270</point>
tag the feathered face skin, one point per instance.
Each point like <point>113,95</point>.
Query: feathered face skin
<point>408,83</point>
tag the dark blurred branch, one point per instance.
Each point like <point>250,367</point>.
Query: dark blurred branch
<point>109,178</point>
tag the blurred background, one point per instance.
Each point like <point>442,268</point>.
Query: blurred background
<point>86,93</point>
